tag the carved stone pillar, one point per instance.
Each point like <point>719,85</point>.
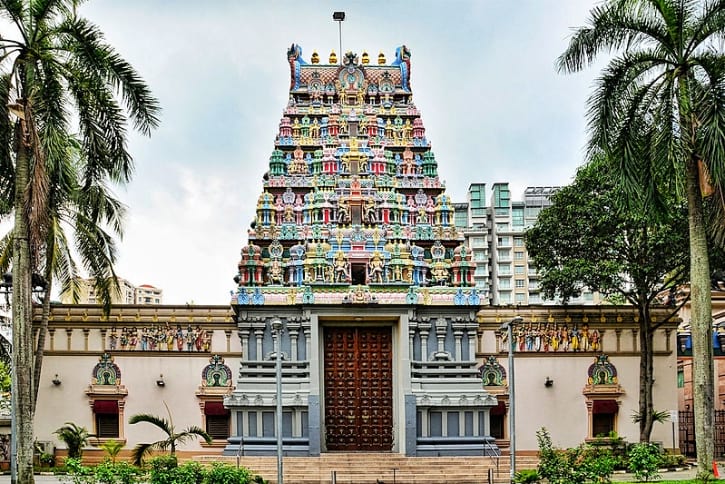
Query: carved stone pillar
<point>458,328</point>
<point>425,327</point>
<point>258,339</point>
<point>293,326</point>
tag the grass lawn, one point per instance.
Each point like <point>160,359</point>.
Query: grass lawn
<point>685,481</point>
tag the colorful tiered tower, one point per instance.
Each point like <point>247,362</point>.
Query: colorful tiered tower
<point>353,209</point>
<point>354,255</point>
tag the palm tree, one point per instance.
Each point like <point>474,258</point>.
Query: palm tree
<point>74,437</point>
<point>173,438</point>
<point>663,94</point>
<point>86,213</point>
<point>56,67</point>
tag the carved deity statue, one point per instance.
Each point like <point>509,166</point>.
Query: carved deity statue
<point>376,268</point>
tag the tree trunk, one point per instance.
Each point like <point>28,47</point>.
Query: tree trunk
<point>701,325</point>
<point>22,390</point>
<point>646,373</point>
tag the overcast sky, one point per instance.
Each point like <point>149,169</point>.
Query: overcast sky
<point>482,74</point>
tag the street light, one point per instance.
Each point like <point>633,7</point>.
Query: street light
<point>277,335</point>
<point>339,17</point>
<point>508,327</point>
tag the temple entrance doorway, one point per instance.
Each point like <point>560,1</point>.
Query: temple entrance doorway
<point>358,388</point>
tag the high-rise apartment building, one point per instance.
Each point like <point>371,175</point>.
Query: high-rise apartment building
<point>495,236</point>
<point>127,293</point>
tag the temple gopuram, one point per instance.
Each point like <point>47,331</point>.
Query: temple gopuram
<point>354,250</point>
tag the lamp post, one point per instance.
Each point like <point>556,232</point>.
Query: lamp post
<point>38,287</point>
<point>339,17</point>
<point>277,334</point>
<point>508,327</point>
<point>6,287</point>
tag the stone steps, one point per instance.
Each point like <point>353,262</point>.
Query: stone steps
<point>361,468</point>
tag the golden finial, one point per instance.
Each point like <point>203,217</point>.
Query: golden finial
<point>365,58</point>
<point>315,58</point>
<point>333,57</point>
<point>381,58</point>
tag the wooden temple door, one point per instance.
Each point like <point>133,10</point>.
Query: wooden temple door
<point>358,388</point>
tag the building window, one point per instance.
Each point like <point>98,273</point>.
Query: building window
<point>518,242</point>
<point>519,270</point>
<point>502,227</point>
<point>520,298</point>
<point>519,255</point>
<point>519,283</point>
<point>604,416</point>
<point>478,242</point>
<point>217,419</point>
<point>497,419</point>
<point>106,419</point>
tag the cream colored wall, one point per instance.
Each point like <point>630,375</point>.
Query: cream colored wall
<point>562,407</point>
<point>69,403</point>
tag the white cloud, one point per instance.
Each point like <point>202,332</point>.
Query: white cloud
<point>482,74</point>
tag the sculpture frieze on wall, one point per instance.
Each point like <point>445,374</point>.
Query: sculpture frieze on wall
<point>160,338</point>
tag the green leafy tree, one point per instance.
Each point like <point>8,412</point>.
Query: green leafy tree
<point>5,379</point>
<point>663,89</point>
<point>590,237</point>
<point>173,438</point>
<point>74,437</point>
<point>55,68</point>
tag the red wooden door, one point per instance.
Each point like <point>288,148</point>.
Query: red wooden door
<point>358,388</point>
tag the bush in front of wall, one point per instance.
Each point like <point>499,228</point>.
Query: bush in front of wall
<point>226,474</point>
<point>527,476</point>
<point>109,472</point>
<point>597,463</point>
<point>555,465</point>
<point>644,461</point>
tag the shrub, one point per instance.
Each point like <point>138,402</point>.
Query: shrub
<point>77,472</point>
<point>596,463</point>
<point>226,474</point>
<point>526,476</point>
<point>108,472</point>
<point>555,465</point>
<point>163,470</point>
<point>47,460</point>
<point>672,460</point>
<point>74,437</point>
<point>644,461</point>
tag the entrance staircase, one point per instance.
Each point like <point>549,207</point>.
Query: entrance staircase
<point>377,468</point>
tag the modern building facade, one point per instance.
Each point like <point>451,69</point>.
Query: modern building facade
<point>494,233</point>
<point>127,293</point>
